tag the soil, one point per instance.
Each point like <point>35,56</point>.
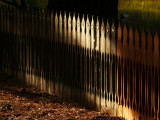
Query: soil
<point>18,101</point>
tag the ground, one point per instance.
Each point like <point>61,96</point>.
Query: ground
<point>18,101</point>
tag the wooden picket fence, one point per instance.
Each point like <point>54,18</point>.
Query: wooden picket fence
<point>83,58</point>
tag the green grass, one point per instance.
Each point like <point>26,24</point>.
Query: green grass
<point>147,6</point>
<point>145,13</point>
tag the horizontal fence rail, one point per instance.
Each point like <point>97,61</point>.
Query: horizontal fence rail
<point>84,58</point>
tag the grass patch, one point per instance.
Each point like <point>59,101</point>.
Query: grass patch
<point>145,13</point>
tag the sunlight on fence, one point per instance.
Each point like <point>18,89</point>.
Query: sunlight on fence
<point>84,58</point>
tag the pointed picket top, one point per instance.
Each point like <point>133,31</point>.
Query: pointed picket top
<point>125,42</point>
<point>102,27</point>
<point>137,45</point>
<point>92,23</point>
<point>113,31</point>
<point>131,37</point>
<point>18,17</point>
<point>113,40</point>
<point>14,17</point>
<point>69,19</point>
<point>51,15</point>
<point>143,41</point>
<point>69,28</point>
<point>88,33</point>
<point>56,17</point>
<point>51,21</point>
<point>40,14</point>
<point>108,38</point>
<point>97,34</point>
<point>83,32</point>
<point>60,27</point>
<point>40,24</point>
<point>83,23</point>
<point>60,18</point>
<point>74,21</point>
<point>149,45</point>
<point>137,38</point>
<point>56,27</point>
<point>143,47</point>
<point>74,29</point>
<point>92,34</point>
<point>156,50</point>
<point>102,37</point>
<point>43,15</point>
<point>78,23</point>
<point>149,49</point>
<point>156,43</point>
<point>119,41</point>
<point>119,33</point>
<point>78,31</point>
<point>65,18</point>
<point>88,24</point>
<point>125,35</point>
<point>107,29</point>
<point>65,27</point>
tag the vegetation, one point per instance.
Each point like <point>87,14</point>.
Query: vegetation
<point>143,12</point>
<point>37,3</point>
<point>26,3</point>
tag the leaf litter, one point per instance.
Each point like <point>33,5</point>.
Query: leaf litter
<point>18,101</point>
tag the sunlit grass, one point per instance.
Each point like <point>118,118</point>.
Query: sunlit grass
<point>148,6</point>
<point>143,12</point>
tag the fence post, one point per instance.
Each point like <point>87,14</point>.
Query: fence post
<point>27,45</point>
<point>51,62</point>
<point>24,27</point>
<point>137,70</point>
<point>10,30</point>
<point>155,74</point>
<point>93,102</point>
<point>60,41</point>
<point>96,64</point>
<point>102,66</point>
<point>1,40</point>
<point>113,64</point>
<point>37,46</point>
<point>32,48</point>
<point>73,53</point>
<point>65,52</point>
<point>7,38</point>
<point>125,67</point>
<point>107,61</point>
<point>119,65</point>
<point>143,71</point>
<point>88,44</point>
<point>18,41</point>
<point>56,53</point>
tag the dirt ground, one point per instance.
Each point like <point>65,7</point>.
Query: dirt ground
<point>21,102</point>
